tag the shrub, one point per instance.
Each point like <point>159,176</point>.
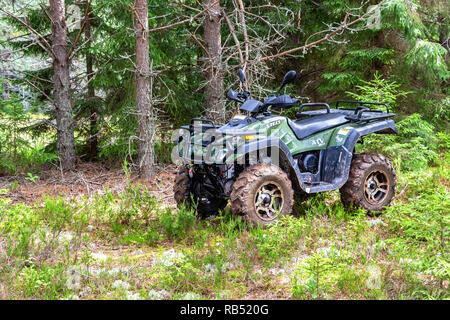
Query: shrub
<point>379,90</point>
<point>177,225</point>
<point>423,228</point>
<point>415,146</point>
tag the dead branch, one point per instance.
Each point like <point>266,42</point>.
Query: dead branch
<point>200,44</point>
<point>45,11</point>
<point>305,47</point>
<point>177,23</point>
<point>46,46</point>
<point>244,32</point>
<point>236,40</point>
<point>186,6</point>
<point>86,16</point>
<point>137,16</point>
<point>266,22</point>
<point>182,21</point>
<point>40,91</point>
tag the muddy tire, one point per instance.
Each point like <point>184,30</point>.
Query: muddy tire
<point>371,182</point>
<point>181,187</point>
<point>261,194</point>
<point>183,194</point>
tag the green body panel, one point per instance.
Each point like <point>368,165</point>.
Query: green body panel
<point>276,126</point>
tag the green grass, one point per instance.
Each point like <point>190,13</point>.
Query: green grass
<point>64,249</point>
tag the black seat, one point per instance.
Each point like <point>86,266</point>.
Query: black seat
<point>305,127</point>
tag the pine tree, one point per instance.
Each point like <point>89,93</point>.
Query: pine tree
<point>61,82</point>
<point>143,100</point>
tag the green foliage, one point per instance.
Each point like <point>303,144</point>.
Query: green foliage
<point>423,226</point>
<point>279,240</point>
<point>313,269</point>
<point>329,71</point>
<point>326,251</point>
<point>19,151</point>
<point>429,60</point>
<point>177,225</point>
<point>415,146</point>
<point>355,65</point>
<point>379,90</point>
<point>46,282</point>
<point>132,209</point>
<point>182,275</point>
<point>425,218</point>
<point>338,81</point>
<point>163,152</point>
<point>403,15</point>
<point>361,59</point>
<point>36,247</point>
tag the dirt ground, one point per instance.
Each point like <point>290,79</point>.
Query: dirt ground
<point>85,180</point>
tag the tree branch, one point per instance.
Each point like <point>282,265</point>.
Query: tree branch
<point>46,46</point>
<point>181,22</point>
<point>305,47</point>
<point>236,40</point>
<point>200,44</point>
<point>244,31</point>
<point>137,16</point>
<point>86,15</point>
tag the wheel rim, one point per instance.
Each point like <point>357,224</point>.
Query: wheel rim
<point>376,187</point>
<point>269,200</point>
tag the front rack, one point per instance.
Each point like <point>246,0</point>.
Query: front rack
<point>203,126</point>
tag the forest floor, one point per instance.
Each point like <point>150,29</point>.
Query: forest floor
<point>87,179</point>
<point>99,233</point>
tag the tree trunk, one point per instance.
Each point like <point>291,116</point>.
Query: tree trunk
<point>93,140</point>
<point>214,92</point>
<point>63,103</point>
<point>143,102</point>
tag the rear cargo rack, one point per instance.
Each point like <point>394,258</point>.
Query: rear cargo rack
<point>357,115</point>
<point>362,103</point>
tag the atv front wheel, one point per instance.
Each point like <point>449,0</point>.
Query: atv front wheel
<point>182,187</point>
<point>261,194</point>
<point>184,192</point>
<point>371,182</point>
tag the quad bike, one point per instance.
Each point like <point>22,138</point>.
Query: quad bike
<point>260,160</point>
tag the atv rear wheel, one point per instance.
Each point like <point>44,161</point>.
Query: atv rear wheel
<point>261,194</point>
<point>184,193</point>
<point>371,182</point>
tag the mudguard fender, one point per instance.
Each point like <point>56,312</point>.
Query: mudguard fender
<point>279,155</point>
<point>336,166</point>
<point>382,127</point>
